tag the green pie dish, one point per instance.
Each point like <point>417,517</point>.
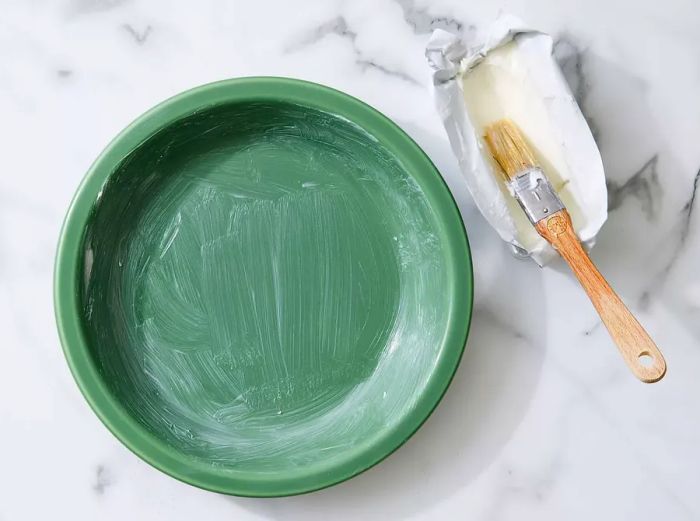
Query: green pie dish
<point>263,287</point>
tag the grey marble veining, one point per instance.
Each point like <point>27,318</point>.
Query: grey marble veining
<point>423,22</point>
<point>139,37</point>
<point>687,210</point>
<point>571,59</point>
<point>102,481</point>
<point>675,247</point>
<point>643,185</point>
<point>339,26</point>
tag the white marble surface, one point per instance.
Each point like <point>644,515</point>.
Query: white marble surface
<point>542,422</point>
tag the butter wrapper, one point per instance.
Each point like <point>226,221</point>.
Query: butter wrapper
<point>511,73</point>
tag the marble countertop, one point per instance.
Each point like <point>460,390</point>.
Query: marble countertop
<point>543,420</point>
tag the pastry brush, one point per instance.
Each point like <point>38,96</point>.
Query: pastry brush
<point>527,182</point>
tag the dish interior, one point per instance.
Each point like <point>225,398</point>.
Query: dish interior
<point>264,287</point>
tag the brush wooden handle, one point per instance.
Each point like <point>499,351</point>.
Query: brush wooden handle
<point>634,343</point>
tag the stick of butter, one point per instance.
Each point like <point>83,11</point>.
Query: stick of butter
<point>512,74</point>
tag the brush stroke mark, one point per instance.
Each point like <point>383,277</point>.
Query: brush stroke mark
<point>421,22</point>
<point>572,60</point>
<point>679,236</point>
<point>139,37</point>
<point>643,185</point>
<point>64,73</point>
<point>259,277</point>
<point>103,480</point>
<point>339,26</point>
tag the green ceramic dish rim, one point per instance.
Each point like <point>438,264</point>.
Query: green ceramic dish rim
<point>69,260</point>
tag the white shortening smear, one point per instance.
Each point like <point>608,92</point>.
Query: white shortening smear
<point>512,74</point>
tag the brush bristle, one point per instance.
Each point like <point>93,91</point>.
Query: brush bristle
<point>508,147</point>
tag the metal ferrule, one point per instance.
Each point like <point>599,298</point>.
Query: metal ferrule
<point>535,194</point>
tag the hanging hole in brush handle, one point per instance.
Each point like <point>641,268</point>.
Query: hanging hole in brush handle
<point>646,359</point>
<point>636,346</point>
